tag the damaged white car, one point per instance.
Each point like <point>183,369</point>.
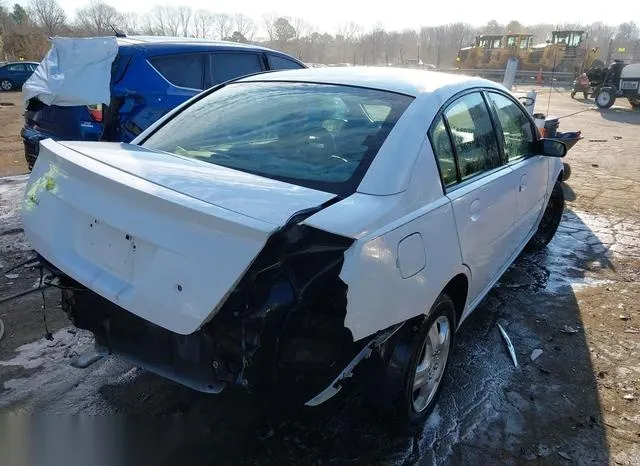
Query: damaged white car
<point>291,229</point>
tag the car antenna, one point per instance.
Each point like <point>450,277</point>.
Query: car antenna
<point>118,34</point>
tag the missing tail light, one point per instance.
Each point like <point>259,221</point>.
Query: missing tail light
<point>96,112</point>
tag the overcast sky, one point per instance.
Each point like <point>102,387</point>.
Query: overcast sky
<point>401,14</point>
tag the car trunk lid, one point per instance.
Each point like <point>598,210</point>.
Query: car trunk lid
<point>163,237</point>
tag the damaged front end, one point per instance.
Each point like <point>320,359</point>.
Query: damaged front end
<point>281,327</point>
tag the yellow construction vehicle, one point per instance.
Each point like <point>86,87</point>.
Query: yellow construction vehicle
<point>566,51</point>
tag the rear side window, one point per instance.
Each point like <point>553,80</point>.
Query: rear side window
<point>281,63</point>
<point>473,135</point>
<point>226,66</point>
<point>19,67</point>
<point>180,70</point>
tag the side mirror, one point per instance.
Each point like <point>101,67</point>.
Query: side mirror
<point>552,148</point>
<point>526,101</point>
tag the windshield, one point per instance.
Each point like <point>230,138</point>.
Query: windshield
<point>314,135</point>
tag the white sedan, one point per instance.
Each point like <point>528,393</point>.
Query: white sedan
<point>287,230</point>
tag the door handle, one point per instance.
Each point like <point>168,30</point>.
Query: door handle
<point>474,210</point>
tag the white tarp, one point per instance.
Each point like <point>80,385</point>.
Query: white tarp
<point>75,71</point>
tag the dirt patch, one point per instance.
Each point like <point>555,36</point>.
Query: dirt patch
<point>12,160</point>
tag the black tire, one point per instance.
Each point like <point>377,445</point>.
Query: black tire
<point>605,97</point>
<point>550,220</point>
<point>6,85</point>
<point>566,171</point>
<point>392,388</point>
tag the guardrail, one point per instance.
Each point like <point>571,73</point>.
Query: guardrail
<point>522,77</point>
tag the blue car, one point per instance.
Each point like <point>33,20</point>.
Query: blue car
<point>13,75</point>
<point>149,77</point>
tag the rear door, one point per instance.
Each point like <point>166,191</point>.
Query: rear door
<point>152,87</point>
<point>530,170</point>
<point>477,181</point>
<point>18,73</point>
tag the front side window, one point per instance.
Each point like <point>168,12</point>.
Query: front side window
<point>517,132</point>
<point>226,66</point>
<point>314,135</point>
<point>473,136</point>
<point>180,70</point>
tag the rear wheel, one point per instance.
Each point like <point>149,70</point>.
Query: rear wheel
<point>550,220</point>
<point>6,85</point>
<point>416,365</point>
<point>605,97</point>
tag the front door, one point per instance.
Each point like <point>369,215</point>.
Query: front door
<point>478,183</point>
<point>530,170</point>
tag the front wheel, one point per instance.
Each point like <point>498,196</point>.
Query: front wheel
<point>550,220</point>
<point>605,98</point>
<point>6,85</point>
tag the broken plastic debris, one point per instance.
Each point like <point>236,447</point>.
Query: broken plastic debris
<point>536,353</point>
<point>568,329</point>
<point>12,276</point>
<point>629,396</point>
<point>564,455</point>
<point>512,351</point>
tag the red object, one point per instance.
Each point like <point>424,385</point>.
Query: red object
<point>96,112</point>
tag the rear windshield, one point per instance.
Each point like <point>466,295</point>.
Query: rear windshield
<point>315,135</point>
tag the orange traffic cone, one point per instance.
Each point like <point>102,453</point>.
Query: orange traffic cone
<point>539,77</point>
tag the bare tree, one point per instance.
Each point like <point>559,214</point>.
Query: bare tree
<point>269,24</point>
<point>202,23</point>
<point>165,20</point>
<point>129,23</point>
<point>245,26</point>
<point>47,14</point>
<point>223,24</point>
<point>97,18</point>
<point>184,14</point>
<point>346,34</point>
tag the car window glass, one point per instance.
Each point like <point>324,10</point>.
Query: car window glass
<point>441,144</point>
<point>281,63</point>
<point>313,135</point>
<point>180,70</point>
<point>516,128</point>
<point>16,67</point>
<point>473,135</point>
<point>226,66</point>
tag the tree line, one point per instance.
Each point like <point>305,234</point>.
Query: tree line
<point>24,33</point>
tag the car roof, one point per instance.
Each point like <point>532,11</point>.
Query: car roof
<point>161,43</point>
<point>400,80</point>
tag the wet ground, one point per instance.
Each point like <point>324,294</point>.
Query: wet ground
<point>577,403</point>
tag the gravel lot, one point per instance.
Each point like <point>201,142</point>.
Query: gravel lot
<point>578,403</point>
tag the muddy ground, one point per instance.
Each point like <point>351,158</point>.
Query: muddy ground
<point>578,301</point>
